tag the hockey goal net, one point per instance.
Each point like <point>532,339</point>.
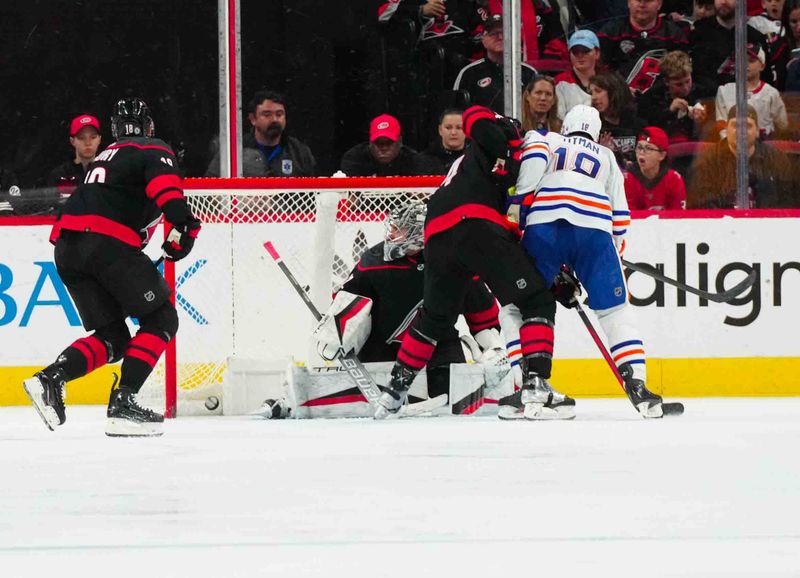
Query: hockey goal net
<point>232,299</point>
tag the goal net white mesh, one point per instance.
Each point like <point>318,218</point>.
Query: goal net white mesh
<point>231,297</point>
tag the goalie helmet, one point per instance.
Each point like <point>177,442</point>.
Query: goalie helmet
<point>582,118</point>
<point>404,231</point>
<point>131,118</point>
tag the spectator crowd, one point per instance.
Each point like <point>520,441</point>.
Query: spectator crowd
<point>659,72</point>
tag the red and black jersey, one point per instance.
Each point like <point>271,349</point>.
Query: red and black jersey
<point>665,192</point>
<point>66,177</point>
<point>473,189</point>
<point>636,53</point>
<point>396,288</point>
<point>125,190</point>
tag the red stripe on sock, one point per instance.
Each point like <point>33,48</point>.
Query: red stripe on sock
<point>147,347</point>
<point>142,355</point>
<point>149,342</point>
<point>411,362</point>
<point>87,353</point>
<point>482,319</point>
<point>535,338</point>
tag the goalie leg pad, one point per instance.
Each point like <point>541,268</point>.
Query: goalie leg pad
<point>345,327</point>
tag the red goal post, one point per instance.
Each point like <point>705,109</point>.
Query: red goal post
<point>233,301</point>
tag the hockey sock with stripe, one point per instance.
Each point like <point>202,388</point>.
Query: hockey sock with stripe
<point>624,340</point>
<point>83,356</point>
<point>144,351</point>
<point>536,341</point>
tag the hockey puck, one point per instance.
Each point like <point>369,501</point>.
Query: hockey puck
<point>212,403</point>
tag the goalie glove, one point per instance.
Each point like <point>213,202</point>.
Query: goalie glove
<point>345,327</point>
<point>566,288</point>
<point>180,241</point>
<point>493,350</point>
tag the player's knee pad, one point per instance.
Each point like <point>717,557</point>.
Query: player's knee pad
<point>115,336</point>
<point>163,322</point>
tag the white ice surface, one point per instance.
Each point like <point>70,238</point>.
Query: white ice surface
<point>714,493</point>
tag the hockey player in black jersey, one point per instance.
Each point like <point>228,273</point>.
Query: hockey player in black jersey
<point>467,234</point>
<point>98,252</point>
<point>383,295</point>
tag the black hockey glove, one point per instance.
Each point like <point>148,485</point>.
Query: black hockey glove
<point>566,288</point>
<point>180,240</point>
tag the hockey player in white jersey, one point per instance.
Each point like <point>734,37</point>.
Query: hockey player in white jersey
<point>571,198</point>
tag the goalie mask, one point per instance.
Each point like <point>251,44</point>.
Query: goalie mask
<point>404,231</point>
<point>131,118</point>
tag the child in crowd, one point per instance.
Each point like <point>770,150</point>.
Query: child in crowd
<point>651,185</point>
<point>765,99</point>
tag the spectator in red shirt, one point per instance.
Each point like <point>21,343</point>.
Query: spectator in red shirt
<point>651,185</point>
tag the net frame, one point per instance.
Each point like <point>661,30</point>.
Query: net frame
<point>331,207</point>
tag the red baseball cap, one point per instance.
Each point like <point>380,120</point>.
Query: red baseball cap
<point>654,136</point>
<point>384,126</point>
<point>81,121</point>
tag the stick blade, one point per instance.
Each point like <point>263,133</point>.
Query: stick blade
<point>737,289</point>
<point>673,409</point>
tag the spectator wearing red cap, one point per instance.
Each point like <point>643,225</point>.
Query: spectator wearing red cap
<point>384,155</point>
<point>84,136</point>
<point>651,185</point>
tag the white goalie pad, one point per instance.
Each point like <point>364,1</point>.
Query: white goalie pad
<point>332,394</point>
<point>345,327</point>
<point>329,392</point>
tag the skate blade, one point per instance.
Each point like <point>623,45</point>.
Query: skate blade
<point>532,410</point>
<point>117,428</point>
<point>33,388</point>
<point>507,413</point>
<point>552,413</point>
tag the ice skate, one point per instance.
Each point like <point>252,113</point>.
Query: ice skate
<point>543,402</point>
<point>396,396</point>
<point>645,401</point>
<point>47,391</point>
<point>126,418</point>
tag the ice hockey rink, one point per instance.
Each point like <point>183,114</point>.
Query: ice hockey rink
<point>715,492</point>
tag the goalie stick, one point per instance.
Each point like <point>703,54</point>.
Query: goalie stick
<point>722,297</point>
<point>668,409</point>
<point>350,362</point>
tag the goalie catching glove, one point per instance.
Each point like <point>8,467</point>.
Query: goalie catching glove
<point>345,327</point>
<point>180,241</point>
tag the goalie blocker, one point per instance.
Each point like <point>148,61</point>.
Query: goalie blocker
<point>328,393</point>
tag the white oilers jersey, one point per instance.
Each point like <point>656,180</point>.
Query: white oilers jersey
<point>574,179</point>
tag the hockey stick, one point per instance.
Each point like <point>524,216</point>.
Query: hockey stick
<point>668,409</point>
<point>351,364</point>
<point>722,297</point>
